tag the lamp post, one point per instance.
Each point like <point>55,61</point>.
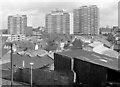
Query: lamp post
<point>31,73</point>
<point>10,44</point>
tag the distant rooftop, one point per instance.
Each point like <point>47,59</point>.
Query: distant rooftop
<point>87,6</point>
<point>58,12</point>
<point>17,15</point>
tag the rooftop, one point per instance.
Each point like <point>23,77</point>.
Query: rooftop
<point>23,61</point>
<point>92,57</point>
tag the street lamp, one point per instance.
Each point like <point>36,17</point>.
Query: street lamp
<point>10,44</point>
<point>31,72</point>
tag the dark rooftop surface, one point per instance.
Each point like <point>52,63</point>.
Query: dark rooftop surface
<point>37,60</point>
<point>92,57</point>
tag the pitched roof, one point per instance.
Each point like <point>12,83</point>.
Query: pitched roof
<point>37,60</point>
<point>52,47</point>
<point>104,41</point>
<point>92,57</point>
<point>35,52</point>
<point>96,43</point>
<point>77,43</point>
<point>105,51</point>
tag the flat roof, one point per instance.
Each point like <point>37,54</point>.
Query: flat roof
<point>92,57</point>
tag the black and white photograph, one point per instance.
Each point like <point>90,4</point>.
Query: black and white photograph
<point>59,43</point>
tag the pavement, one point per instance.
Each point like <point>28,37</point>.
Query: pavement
<point>5,82</point>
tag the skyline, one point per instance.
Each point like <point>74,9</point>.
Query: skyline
<point>36,11</point>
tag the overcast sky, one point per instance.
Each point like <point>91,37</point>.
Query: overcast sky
<point>36,10</point>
